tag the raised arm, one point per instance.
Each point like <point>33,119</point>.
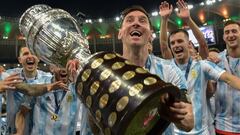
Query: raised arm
<point>165,11</point>
<point>184,13</point>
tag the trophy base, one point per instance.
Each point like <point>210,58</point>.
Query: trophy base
<point>147,122</point>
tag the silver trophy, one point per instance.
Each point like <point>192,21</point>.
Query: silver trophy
<point>53,35</point>
<point>122,98</point>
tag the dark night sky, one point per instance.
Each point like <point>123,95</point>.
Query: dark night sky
<point>92,8</point>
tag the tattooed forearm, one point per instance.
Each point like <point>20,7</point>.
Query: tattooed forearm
<point>32,89</point>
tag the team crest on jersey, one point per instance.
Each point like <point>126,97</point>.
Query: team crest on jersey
<point>194,73</point>
<point>69,98</point>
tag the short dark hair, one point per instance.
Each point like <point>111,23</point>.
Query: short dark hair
<point>231,22</point>
<point>126,11</point>
<point>177,31</point>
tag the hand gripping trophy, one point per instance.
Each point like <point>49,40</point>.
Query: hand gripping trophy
<point>122,98</point>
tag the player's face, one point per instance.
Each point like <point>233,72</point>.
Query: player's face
<point>179,45</point>
<point>231,35</point>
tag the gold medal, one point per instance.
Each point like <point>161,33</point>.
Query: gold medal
<point>135,89</point>
<point>122,103</point>
<point>109,56</point>
<point>96,63</point>
<point>54,117</point>
<point>128,75</point>
<point>112,118</point>
<point>150,81</point>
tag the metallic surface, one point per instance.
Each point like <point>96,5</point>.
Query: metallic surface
<point>53,35</point>
<point>121,96</point>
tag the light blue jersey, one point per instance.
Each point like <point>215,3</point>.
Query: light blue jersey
<point>84,127</point>
<point>55,113</point>
<point>197,77</point>
<point>15,99</point>
<point>227,99</point>
<point>168,72</point>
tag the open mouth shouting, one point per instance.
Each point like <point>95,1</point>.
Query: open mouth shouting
<point>30,63</point>
<point>178,50</point>
<point>135,33</point>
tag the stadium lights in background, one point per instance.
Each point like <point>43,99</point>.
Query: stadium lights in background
<point>100,20</point>
<point>7,30</point>
<point>102,25</point>
<point>117,18</point>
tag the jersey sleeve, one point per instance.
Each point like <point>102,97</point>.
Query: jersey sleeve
<point>211,70</point>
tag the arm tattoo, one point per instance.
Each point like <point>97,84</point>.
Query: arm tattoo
<point>32,89</point>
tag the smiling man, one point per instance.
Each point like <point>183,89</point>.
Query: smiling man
<point>136,33</point>
<point>56,112</point>
<point>29,75</point>
<point>197,73</point>
<point>227,99</point>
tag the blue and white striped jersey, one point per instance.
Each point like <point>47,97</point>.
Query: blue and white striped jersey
<point>168,72</point>
<point>197,77</point>
<point>14,98</point>
<point>227,99</point>
<point>55,115</point>
<point>84,128</point>
<point>163,68</point>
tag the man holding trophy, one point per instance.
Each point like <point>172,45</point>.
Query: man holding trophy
<point>121,96</point>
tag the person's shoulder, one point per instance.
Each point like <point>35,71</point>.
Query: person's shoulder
<point>223,53</point>
<point>161,60</point>
<point>44,74</point>
<point>16,70</point>
<point>203,62</point>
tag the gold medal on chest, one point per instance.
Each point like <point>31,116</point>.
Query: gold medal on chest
<point>54,117</point>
